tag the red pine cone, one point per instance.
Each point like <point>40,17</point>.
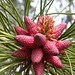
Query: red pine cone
<point>54,60</point>
<point>58,30</point>
<point>30,25</point>
<point>22,53</point>
<point>20,31</point>
<point>37,55</point>
<point>39,39</point>
<point>37,46</point>
<point>50,48</point>
<point>39,68</point>
<point>27,41</point>
<point>61,45</point>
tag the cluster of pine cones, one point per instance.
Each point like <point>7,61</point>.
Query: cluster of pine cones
<point>39,42</point>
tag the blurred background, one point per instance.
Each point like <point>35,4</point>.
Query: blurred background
<point>65,6</point>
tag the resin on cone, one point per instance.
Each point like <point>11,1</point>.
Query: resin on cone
<point>58,30</point>
<point>27,41</point>
<point>54,60</point>
<point>37,55</point>
<point>22,53</point>
<point>50,48</point>
<point>20,31</point>
<point>30,25</point>
<point>39,39</point>
<point>39,68</point>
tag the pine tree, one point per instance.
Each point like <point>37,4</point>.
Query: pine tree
<point>10,65</point>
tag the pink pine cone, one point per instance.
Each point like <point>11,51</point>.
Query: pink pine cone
<point>61,45</point>
<point>22,53</point>
<point>27,41</point>
<point>58,30</point>
<point>39,39</point>
<point>20,31</point>
<point>50,48</point>
<point>39,68</point>
<point>39,44</point>
<point>30,25</point>
<point>54,60</point>
<point>37,55</point>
